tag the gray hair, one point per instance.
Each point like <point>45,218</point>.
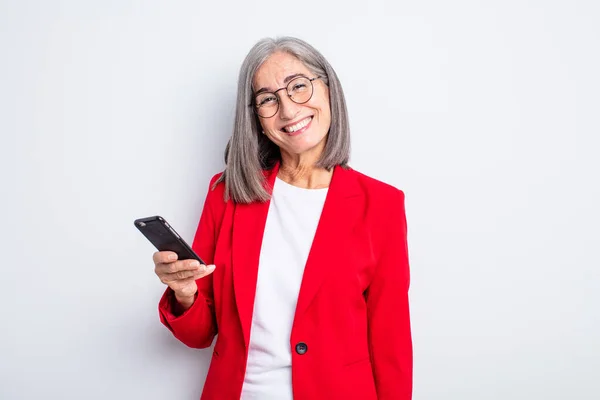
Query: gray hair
<point>248,152</point>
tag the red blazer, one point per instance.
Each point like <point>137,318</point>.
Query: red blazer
<point>351,335</point>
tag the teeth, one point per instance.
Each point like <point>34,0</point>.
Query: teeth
<point>299,125</point>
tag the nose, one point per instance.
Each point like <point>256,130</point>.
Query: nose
<point>287,108</point>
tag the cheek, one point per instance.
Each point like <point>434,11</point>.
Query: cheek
<point>267,125</point>
<point>328,113</point>
<point>324,107</point>
<point>325,112</point>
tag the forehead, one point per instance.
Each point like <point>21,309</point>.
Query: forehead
<point>278,66</point>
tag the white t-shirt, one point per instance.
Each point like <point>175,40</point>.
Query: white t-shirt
<point>292,220</point>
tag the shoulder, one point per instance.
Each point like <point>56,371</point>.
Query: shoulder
<point>215,178</point>
<point>385,207</point>
<point>216,188</point>
<point>377,191</point>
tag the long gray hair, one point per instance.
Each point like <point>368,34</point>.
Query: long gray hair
<point>249,152</point>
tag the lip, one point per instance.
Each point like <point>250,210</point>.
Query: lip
<point>298,132</point>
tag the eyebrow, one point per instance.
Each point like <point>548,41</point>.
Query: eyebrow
<point>286,80</point>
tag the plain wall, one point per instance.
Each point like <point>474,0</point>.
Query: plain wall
<point>484,113</point>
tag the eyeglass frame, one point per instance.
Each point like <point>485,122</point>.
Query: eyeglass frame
<point>253,105</point>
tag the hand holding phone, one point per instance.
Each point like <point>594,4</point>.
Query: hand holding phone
<point>180,276</point>
<point>176,264</point>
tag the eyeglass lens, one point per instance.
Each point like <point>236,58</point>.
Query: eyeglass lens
<point>299,90</point>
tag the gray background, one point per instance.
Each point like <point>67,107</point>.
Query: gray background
<point>484,113</point>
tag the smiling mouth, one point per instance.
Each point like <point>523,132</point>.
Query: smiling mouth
<point>297,126</point>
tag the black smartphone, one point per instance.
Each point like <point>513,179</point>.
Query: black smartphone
<point>158,231</point>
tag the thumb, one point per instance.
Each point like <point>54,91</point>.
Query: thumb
<point>206,270</point>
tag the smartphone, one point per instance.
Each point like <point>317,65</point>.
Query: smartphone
<point>158,231</point>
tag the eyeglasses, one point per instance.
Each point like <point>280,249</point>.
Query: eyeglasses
<point>299,90</point>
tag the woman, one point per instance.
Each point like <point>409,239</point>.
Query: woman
<point>308,276</point>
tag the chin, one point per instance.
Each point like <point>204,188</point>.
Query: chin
<point>302,144</point>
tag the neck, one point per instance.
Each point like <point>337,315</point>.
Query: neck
<point>301,171</point>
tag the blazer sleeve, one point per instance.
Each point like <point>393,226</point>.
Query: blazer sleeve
<point>197,326</point>
<point>388,314</point>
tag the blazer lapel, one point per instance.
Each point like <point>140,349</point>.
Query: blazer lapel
<point>338,217</point>
<point>248,231</point>
<point>335,225</point>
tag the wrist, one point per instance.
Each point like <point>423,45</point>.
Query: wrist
<point>184,301</point>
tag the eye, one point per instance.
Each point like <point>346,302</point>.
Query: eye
<point>299,86</point>
<point>266,100</point>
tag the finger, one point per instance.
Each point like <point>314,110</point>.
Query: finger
<point>171,268</point>
<point>184,265</point>
<point>203,271</point>
<point>177,276</point>
<point>164,257</point>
